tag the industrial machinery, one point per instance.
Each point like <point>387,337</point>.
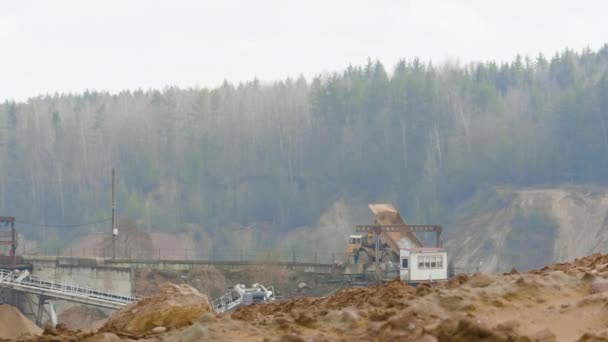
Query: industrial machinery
<point>239,296</point>
<point>8,237</point>
<point>48,291</point>
<point>382,242</point>
<point>361,248</point>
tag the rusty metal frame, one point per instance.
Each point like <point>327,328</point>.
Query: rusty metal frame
<point>9,238</point>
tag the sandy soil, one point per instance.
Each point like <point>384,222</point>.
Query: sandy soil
<point>174,307</point>
<point>13,324</point>
<point>561,302</point>
<point>214,282</point>
<point>82,317</point>
<point>206,280</point>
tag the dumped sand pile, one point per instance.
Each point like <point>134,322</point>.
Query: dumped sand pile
<point>285,281</point>
<point>552,306</point>
<point>387,214</point>
<point>562,302</point>
<point>13,324</point>
<point>205,279</point>
<point>82,317</point>
<point>594,263</point>
<point>174,307</point>
<point>350,297</point>
<point>524,307</point>
<point>214,281</point>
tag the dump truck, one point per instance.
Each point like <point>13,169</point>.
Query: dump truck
<point>390,245</point>
<point>362,249</point>
<point>394,236</point>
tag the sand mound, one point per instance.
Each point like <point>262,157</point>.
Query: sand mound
<point>13,324</point>
<point>513,307</point>
<point>481,280</point>
<point>207,280</point>
<point>84,318</point>
<point>564,302</point>
<point>467,330</point>
<point>595,262</point>
<point>174,307</point>
<point>390,294</point>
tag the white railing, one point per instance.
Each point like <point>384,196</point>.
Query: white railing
<point>239,295</point>
<point>228,301</point>
<point>24,282</point>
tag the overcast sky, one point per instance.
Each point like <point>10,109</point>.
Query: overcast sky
<point>70,46</point>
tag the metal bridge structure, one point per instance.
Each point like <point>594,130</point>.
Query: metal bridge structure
<point>23,281</point>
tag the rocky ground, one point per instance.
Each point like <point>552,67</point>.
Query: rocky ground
<point>561,302</point>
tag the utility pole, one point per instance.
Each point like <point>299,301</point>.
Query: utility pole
<point>114,230</point>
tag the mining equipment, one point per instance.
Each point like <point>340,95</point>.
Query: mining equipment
<point>390,247</point>
<point>240,295</point>
<point>9,260</point>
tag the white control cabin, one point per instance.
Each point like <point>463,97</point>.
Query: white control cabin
<point>423,264</point>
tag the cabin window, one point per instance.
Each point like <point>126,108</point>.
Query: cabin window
<point>404,263</point>
<point>430,261</point>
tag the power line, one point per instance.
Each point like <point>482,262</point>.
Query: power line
<point>64,226</point>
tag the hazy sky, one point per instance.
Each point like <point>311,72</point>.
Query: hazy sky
<point>70,46</point>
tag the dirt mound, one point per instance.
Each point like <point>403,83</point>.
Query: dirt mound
<point>513,307</point>
<point>148,281</point>
<point>377,295</point>
<point>388,294</point>
<point>286,282</point>
<point>174,307</point>
<point>596,262</point>
<point>207,280</point>
<point>481,280</point>
<point>387,214</point>
<point>467,330</point>
<point>214,281</point>
<point>565,302</point>
<point>81,317</point>
<point>13,324</point>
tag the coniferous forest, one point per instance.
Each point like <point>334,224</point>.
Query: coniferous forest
<point>423,136</point>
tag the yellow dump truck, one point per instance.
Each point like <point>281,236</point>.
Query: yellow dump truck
<point>361,248</point>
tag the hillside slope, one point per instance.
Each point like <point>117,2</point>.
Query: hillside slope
<point>503,228</point>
